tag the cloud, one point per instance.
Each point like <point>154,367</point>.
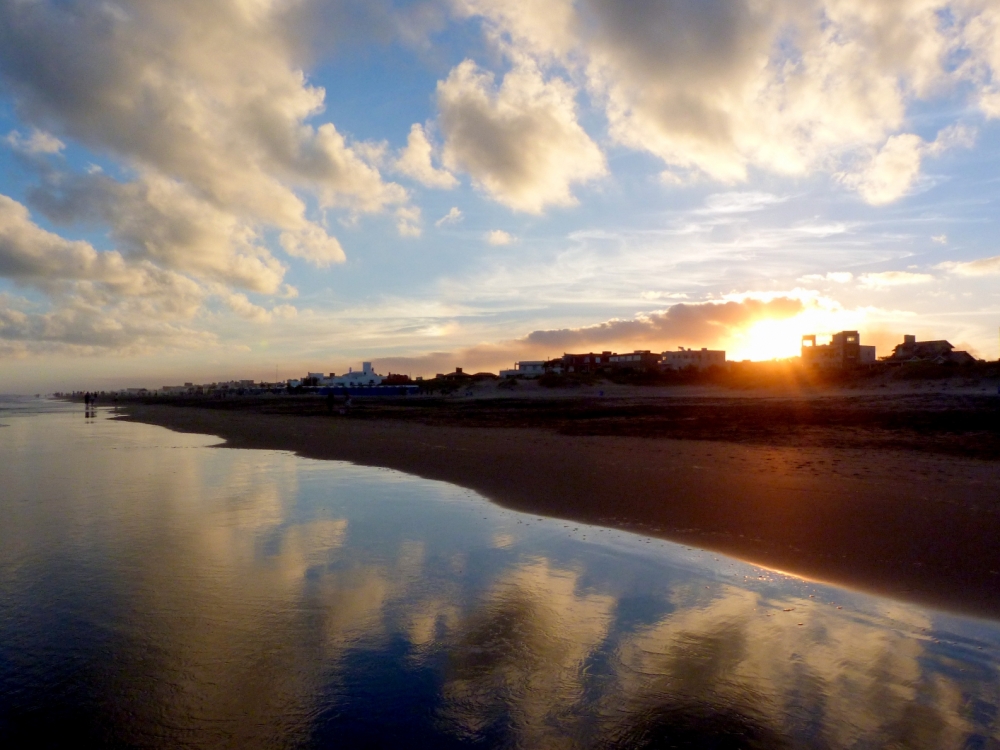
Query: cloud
<point>408,221</point>
<point>39,142</point>
<point>894,169</point>
<point>717,87</point>
<point>691,324</point>
<point>981,33</point>
<point>888,279</point>
<point>837,277</point>
<point>941,239</point>
<point>415,161</point>
<point>161,220</point>
<point>210,95</point>
<point>704,323</point>
<point>521,143</point>
<point>244,308</point>
<point>100,301</point>
<point>720,86</point>
<point>32,255</point>
<point>82,329</point>
<point>735,202</point>
<point>891,171</point>
<point>500,237</point>
<point>544,29</point>
<point>313,244</point>
<point>452,217</point>
<point>979,267</point>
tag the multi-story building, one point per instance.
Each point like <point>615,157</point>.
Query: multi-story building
<point>843,352</point>
<point>697,358</point>
<point>525,369</point>
<point>352,379</point>
<point>589,362</point>
<point>637,360</point>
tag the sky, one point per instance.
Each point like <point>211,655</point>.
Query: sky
<point>203,190</point>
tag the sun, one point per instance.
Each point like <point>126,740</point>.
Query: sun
<point>779,339</point>
<point>768,339</point>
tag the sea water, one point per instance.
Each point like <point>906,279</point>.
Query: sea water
<point>156,591</point>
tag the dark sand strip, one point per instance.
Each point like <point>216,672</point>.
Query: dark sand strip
<point>905,524</point>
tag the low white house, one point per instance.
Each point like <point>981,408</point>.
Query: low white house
<point>526,369</point>
<point>367,376</point>
<point>701,359</point>
<point>353,379</point>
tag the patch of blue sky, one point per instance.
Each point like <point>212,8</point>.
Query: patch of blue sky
<point>376,92</point>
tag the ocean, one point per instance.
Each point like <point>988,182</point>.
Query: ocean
<point>159,591</point>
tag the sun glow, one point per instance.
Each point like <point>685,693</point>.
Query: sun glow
<point>779,339</point>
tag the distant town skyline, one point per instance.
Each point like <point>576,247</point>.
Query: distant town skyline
<point>229,189</point>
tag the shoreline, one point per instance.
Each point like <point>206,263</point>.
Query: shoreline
<point>905,524</point>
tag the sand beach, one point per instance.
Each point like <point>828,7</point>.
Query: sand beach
<point>895,493</point>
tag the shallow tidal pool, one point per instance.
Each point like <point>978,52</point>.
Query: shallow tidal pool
<point>156,591</point>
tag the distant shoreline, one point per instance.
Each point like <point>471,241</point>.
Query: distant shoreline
<point>909,524</point>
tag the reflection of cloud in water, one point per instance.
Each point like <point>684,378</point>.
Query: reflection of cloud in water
<point>518,657</point>
<point>232,641</point>
<point>837,680</point>
<point>503,541</point>
<point>309,545</point>
<point>250,586</point>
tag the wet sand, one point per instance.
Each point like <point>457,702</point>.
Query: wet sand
<point>916,525</point>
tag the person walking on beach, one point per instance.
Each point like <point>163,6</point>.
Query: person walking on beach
<point>86,401</point>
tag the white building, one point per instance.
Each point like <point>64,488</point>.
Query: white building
<point>526,369</point>
<point>367,376</point>
<point>700,359</point>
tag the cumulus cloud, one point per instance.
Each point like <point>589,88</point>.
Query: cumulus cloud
<point>408,221</point>
<point>314,244</point>
<point>719,87</point>
<point>521,143</point>
<point>415,161</point>
<point>32,255</point>
<point>499,237</point>
<point>980,267</point>
<point>101,300</point>
<point>209,94</point>
<point>84,329</point>
<point>887,279</point>
<point>160,220</point>
<point>893,170</point>
<point>981,33</point>
<point>545,29</point>
<point>453,216</point>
